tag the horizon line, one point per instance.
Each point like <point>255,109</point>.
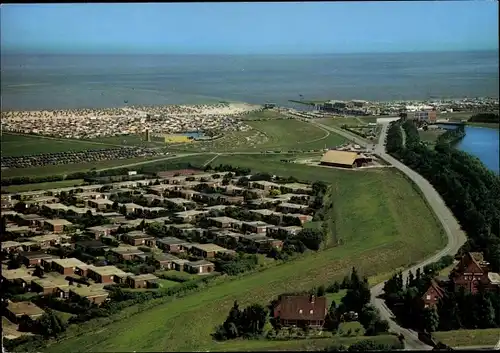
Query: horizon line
<point>21,52</point>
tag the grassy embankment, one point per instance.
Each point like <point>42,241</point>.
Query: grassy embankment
<point>272,134</point>
<point>43,186</point>
<point>467,338</point>
<point>459,116</point>
<point>381,219</point>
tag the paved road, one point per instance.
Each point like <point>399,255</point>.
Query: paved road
<point>456,238</point>
<point>497,346</point>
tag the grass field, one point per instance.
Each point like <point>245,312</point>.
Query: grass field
<point>270,135</point>
<point>19,145</point>
<point>382,221</point>
<point>464,338</point>
<point>430,135</point>
<point>351,121</point>
<point>43,186</point>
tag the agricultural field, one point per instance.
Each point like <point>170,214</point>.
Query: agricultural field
<point>288,134</point>
<point>380,217</point>
<point>13,145</point>
<point>43,186</point>
<point>465,338</point>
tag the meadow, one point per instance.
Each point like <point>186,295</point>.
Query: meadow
<point>383,223</point>
<point>465,338</point>
<point>43,186</point>
<point>271,134</point>
<point>14,145</point>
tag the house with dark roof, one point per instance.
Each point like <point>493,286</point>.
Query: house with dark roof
<point>301,310</point>
<point>432,295</point>
<point>472,272</point>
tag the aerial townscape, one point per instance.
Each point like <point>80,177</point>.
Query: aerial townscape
<point>247,201</point>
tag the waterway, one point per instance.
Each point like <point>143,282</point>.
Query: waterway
<point>482,143</point>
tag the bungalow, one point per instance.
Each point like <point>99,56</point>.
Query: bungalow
<point>296,188</point>
<point>32,220</point>
<point>55,207</point>
<point>287,207</point>
<point>31,259</point>
<point>188,216</point>
<point>136,238</point>
<point>49,286</point>
<point>264,185</point>
<point>261,241</point>
<point>199,267</point>
<point>80,211</point>
<point>164,261</point>
<point>179,264</point>
<point>47,240</point>
<point>187,194</point>
<point>185,229</point>
<point>171,244</point>
<point>224,222</point>
<point>14,311</point>
<point>66,266</point>
<point>232,200</point>
<point>207,250</point>
<point>29,195</point>
<point>92,246</point>
<point>301,217</point>
<point>89,188</point>
<point>232,190</point>
<point>227,238</point>
<point>100,204</point>
<point>176,201</point>
<point>11,246</point>
<point>20,276</point>
<point>126,253</point>
<point>57,225</point>
<point>103,274</point>
<point>104,230</point>
<point>162,190</point>
<point>95,293</point>
<point>255,227</point>
<point>142,281</point>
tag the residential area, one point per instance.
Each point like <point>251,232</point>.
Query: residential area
<point>65,245</point>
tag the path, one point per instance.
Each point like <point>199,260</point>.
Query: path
<point>497,346</point>
<point>456,238</point>
<point>403,135</point>
<point>211,160</point>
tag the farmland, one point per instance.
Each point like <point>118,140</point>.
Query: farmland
<point>380,217</point>
<point>21,145</point>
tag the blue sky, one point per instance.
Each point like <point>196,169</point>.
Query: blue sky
<point>250,28</point>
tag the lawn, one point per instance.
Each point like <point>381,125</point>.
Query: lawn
<point>464,338</point>
<point>430,136</point>
<point>350,121</point>
<point>337,297</point>
<point>165,283</point>
<point>382,221</point>
<point>130,140</point>
<point>43,186</point>
<point>20,145</point>
<point>288,134</point>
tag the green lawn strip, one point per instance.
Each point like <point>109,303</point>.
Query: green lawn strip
<point>130,140</point>
<point>430,135</point>
<point>14,145</point>
<point>43,186</point>
<point>337,297</point>
<point>310,344</point>
<point>485,125</point>
<point>165,283</point>
<point>384,225</point>
<point>464,338</point>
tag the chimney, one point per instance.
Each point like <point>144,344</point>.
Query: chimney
<point>311,299</point>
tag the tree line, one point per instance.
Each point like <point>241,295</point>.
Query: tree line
<point>469,189</point>
<point>484,118</point>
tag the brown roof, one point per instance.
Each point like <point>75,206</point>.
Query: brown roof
<point>301,307</point>
<point>339,157</point>
<point>437,288</point>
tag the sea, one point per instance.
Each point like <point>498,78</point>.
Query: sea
<point>36,82</point>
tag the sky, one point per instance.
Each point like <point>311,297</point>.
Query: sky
<point>250,28</point>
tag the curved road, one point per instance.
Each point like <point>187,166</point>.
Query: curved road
<point>456,237</point>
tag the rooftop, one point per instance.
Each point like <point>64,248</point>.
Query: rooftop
<point>339,157</point>
<point>71,262</point>
<point>25,308</point>
<point>58,222</point>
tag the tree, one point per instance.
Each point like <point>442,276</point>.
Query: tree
<point>332,321</point>
<point>38,271</point>
<point>431,319</point>
<point>51,325</point>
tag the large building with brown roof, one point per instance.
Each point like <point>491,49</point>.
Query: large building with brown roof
<point>301,310</point>
<point>344,159</point>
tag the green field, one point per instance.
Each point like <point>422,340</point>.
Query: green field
<point>19,145</point>
<point>270,135</point>
<point>465,338</point>
<point>350,121</point>
<point>430,136</point>
<point>383,223</point>
<point>43,186</point>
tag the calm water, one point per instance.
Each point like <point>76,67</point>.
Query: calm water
<point>482,143</point>
<point>50,82</point>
